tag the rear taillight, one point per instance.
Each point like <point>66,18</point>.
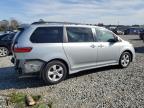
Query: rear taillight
<point>23,50</point>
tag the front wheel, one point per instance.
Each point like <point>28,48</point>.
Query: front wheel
<point>54,72</point>
<point>125,60</point>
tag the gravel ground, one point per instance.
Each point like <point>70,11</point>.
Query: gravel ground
<point>107,87</point>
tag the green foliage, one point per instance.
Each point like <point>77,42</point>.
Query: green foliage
<point>20,105</point>
<point>37,97</point>
<point>41,105</point>
<point>17,97</point>
<point>50,104</point>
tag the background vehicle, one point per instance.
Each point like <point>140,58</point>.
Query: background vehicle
<point>141,35</point>
<point>117,30</point>
<point>5,44</point>
<point>133,31</point>
<point>54,50</point>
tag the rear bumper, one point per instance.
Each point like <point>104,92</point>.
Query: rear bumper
<point>23,67</point>
<point>18,71</point>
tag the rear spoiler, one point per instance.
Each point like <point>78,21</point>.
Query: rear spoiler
<point>23,26</point>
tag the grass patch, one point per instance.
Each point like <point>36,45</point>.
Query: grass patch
<point>37,97</point>
<point>41,105</point>
<point>17,98</point>
<point>20,105</point>
<point>21,97</point>
<point>50,104</point>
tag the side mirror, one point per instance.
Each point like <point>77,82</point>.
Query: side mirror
<point>116,39</point>
<point>113,40</point>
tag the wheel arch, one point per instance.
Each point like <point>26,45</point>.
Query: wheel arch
<point>4,46</point>
<point>127,50</point>
<point>58,59</point>
<point>63,61</point>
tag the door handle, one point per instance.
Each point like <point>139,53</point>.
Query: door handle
<point>100,46</point>
<point>92,46</point>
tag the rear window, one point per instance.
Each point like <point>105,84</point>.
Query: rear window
<point>47,35</point>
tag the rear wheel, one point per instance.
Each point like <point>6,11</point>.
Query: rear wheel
<point>4,51</point>
<point>54,72</point>
<point>125,60</point>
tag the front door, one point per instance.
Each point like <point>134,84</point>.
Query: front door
<point>108,49</point>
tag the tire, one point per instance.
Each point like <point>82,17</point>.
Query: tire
<point>125,60</point>
<point>54,72</point>
<point>4,52</point>
<point>141,37</point>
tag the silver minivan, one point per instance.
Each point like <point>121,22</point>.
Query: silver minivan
<point>54,50</point>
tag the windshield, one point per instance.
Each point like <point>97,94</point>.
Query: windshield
<point>8,37</point>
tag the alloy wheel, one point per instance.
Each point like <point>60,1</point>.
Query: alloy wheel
<point>125,60</point>
<point>55,73</point>
<point>3,51</point>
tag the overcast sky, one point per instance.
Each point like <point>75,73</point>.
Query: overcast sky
<point>86,11</point>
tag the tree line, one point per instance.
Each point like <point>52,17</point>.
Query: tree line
<point>9,25</point>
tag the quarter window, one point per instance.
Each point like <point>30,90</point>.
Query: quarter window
<point>47,35</point>
<point>104,36</point>
<point>76,34</point>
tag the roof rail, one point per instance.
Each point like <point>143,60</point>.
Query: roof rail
<point>44,22</point>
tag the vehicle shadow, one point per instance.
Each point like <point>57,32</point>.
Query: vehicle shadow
<point>9,79</point>
<point>139,49</point>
